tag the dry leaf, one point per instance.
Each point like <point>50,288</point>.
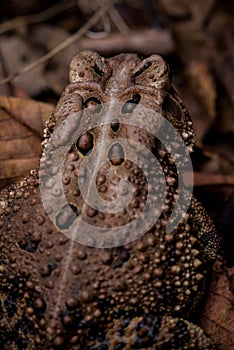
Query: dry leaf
<point>22,122</point>
<point>218,314</point>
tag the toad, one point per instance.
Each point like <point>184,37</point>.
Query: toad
<point>86,261</point>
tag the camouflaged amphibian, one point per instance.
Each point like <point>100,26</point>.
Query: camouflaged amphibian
<point>59,294</point>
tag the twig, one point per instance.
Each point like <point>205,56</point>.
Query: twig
<point>36,18</point>
<point>112,15</point>
<point>145,41</point>
<point>116,18</point>
<point>77,35</point>
<point>118,21</point>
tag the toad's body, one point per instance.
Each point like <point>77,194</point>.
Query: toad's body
<point>59,294</point>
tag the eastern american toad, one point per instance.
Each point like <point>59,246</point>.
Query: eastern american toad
<point>57,293</point>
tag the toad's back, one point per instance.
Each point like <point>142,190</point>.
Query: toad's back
<point>118,289</point>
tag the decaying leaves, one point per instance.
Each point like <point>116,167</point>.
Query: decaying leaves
<point>218,313</point>
<point>22,122</point>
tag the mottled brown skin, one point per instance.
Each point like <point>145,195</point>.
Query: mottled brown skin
<point>59,294</point>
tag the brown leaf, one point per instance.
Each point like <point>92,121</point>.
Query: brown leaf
<point>22,122</point>
<point>218,313</point>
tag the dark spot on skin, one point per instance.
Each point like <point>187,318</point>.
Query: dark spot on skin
<point>145,67</point>
<point>93,104</point>
<point>47,269</point>
<point>130,105</point>
<point>116,154</point>
<point>98,70</point>
<point>85,143</point>
<point>28,244</point>
<point>66,216</point>
<point>123,256</point>
<point>115,125</point>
